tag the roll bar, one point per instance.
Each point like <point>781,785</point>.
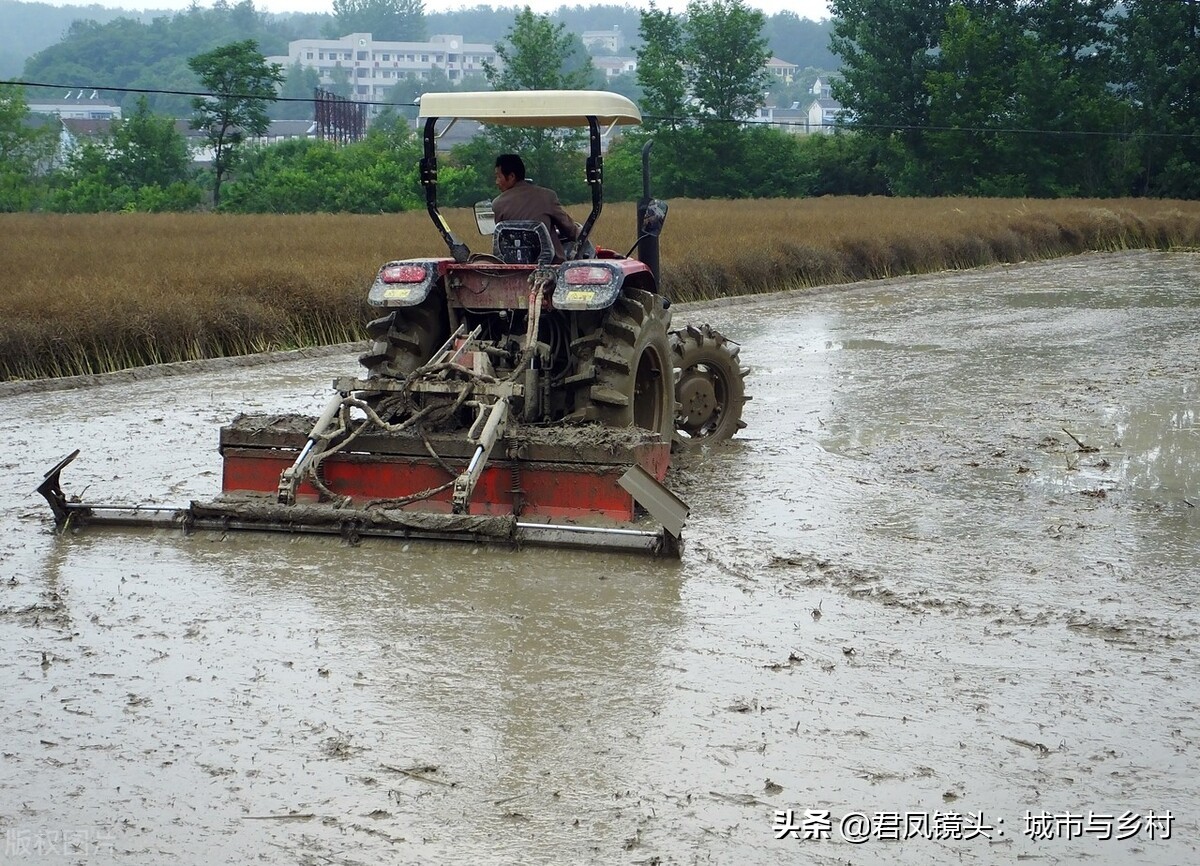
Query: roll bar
<point>429,179</point>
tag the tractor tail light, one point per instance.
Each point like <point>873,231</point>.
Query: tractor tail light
<point>589,276</point>
<point>404,274</point>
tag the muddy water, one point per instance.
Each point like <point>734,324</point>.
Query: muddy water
<point>949,571</point>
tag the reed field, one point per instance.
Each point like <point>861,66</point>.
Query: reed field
<point>95,293</point>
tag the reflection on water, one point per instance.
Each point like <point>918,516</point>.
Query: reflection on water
<point>1052,387</point>
<point>1161,445</point>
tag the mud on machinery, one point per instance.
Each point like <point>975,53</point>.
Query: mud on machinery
<point>506,398</point>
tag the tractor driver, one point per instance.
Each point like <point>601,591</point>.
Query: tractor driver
<point>520,199</point>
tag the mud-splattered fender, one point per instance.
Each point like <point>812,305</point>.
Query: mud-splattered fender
<point>595,284</point>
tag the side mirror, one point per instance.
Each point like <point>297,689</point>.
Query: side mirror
<point>485,220</point>
<point>654,217</point>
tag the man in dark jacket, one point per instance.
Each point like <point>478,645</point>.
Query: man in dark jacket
<point>520,199</point>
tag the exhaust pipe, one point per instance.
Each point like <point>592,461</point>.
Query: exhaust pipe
<point>647,243</point>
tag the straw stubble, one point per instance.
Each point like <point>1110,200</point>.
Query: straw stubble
<point>94,293</point>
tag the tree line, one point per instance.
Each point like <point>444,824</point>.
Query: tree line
<point>1016,98</point>
<point>1055,98</point>
<point>941,97</point>
<point>130,51</point>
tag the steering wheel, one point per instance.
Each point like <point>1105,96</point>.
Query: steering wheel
<point>588,251</point>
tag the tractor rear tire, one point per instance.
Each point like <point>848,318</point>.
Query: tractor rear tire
<point>405,339</point>
<point>711,390</point>
<point>628,362</point>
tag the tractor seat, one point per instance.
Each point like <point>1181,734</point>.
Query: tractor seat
<point>523,242</point>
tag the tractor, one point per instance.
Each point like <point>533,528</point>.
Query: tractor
<point>506,396</point>
<point>604,348</point>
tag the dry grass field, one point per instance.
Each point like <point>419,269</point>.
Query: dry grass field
<point>87,294</point>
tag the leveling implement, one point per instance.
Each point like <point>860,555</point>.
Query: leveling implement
<point>507,397</point>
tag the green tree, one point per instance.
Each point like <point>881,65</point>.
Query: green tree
<point>971,97</point>
<point>726,57</point>
<point>711,63</point>
<point>144,165</point>
<point>147,150</point>
<point>661,73</point>
<point>376,175</point>
<point>341,82</point>
<point>86,183</point>
<point>539,55</point>
<point>477,156</point>
<point>1063,91</point>
<point>699,74</point>
<point>1063,87</point>
<point>1077,30</point>
<point>1158,57</point>
<point>391,20</point>
<point>25,150</point>
<point>888,49</point>
<point>997,97</point>
<point>241,83</point>
<point>296,94</point>
<point>839,164</point>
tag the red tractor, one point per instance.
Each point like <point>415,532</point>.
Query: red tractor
<point>559,385</point>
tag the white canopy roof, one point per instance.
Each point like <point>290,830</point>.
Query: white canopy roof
<point>532,107</point>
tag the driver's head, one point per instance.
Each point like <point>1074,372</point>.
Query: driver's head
<point>510,170</point>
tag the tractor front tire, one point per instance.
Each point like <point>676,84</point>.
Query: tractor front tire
<point>711,390</point>
<point>632,381</point>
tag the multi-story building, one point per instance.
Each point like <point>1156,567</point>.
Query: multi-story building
<point>604,40</point>
<point>782,69</point>
<point>78,105</point>
<point>375,66</point>
<point>825,113</point>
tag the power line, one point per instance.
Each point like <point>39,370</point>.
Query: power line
<point>163,92</point>
<point>854,126</point>
<point>682,121</point>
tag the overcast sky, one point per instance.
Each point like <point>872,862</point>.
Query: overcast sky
<point>815,9</point>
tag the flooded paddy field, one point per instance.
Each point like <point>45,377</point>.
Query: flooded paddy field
<point>944,581</point>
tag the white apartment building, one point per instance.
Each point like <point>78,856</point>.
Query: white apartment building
<point>375,67</point>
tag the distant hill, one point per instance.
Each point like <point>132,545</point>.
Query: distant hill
<point>30,27</point>
<point>32,38</point>
<point>797,40</point>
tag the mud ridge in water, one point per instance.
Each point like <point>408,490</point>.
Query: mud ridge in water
<point>803,571</point>
<point>175,368</point>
